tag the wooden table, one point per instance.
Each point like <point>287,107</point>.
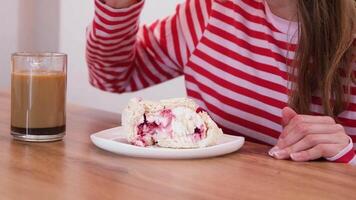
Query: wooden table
<point>76,169</point>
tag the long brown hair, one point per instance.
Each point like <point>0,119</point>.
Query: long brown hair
<point>324,54</point>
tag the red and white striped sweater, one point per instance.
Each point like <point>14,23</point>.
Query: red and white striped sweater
<point>234,57</point>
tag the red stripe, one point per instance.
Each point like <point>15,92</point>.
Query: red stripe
<point>248,62</point>
<point>160,69</point>
<point>255,49</point>
<point>112,48</point>
<point>141,79</point>
<point>119,13</point>
<point>116,54</point>
<point>190,23</point>
<point>133,85</point>
<point>237,88</point>
<point>353,137</point>
<point>196,95</point>
<point>347,157</point>
<point>108,66</point>
<point>252,33</point>
<point>254,4</point>
<point>175,35</point>
<point>241,74</point>
<point>163,35</point>
<point>317,101</point>
<point>250,17</point>
<point>148,45</point>
<point>234,103</point>
<point>199,14</point>
<point>142,65</point>
<point>111,62</point>
<point>118,33</point>
<point>132,17</point>
<point>110,81</point>
<point>209,6</point>
<point>347,122</point>
<point>236,119</point>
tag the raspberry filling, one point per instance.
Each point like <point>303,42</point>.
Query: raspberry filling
<point>147,130</point>
<point>162,123</point>
<point>200,109</point>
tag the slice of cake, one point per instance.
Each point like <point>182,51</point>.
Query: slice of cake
<point>173,123</point>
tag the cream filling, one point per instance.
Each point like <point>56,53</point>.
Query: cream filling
<point>179,124</point>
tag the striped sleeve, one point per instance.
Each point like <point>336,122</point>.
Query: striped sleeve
<point>348,120</point>
<point>347,155</point>
<point>123,57</point>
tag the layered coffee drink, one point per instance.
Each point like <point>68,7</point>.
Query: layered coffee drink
<point>38,99</point>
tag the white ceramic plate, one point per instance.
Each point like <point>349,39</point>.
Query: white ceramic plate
<point>114,140</point>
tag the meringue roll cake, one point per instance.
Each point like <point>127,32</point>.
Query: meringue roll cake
<point>172,123</point>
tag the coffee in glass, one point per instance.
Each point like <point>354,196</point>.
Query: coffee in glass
<point>38,96</point>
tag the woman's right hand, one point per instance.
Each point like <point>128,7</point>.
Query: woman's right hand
<point>120,3</point>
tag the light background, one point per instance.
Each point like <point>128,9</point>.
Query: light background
<point>42,25</point>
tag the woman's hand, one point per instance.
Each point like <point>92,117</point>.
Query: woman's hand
<point>120,3</point>
<point>306,137</point>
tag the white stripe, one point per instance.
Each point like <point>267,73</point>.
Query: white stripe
<point>106,65</point>
<point>113,47</point>
<point>272,62</point>
<point>110,69</point>
<point>237,96</point>
<point>182,43</point>
<point>251,10</point>
<point>132,20</point>
<point>108,76</point>
<point>251,25</point>
<point>136,79</point>
<point>350,130</point>
<point>229,109</point>
<point>119,18</point>
<point>121,35</point>
<point>262,43</point>
<point>233,126</point>
<point>149,65</point>
<point>204,10</point>
<point>184,24</point>
<point>343,152</point>
<point>348,114</point>
<point>193,13</point>
<point>163,66</point>
<point>155,47</point>
<point>169,38</point>
<point>233,79</point>
<point>108,53</point>
<point>353,161</point>
<point>122,58</point>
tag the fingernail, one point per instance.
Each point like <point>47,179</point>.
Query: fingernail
<point>294,156</point>
<point>272,151</point>
<point>281,154</point>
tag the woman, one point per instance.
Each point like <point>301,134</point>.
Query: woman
<point>244,61</point>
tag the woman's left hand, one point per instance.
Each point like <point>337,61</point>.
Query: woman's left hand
<point>306,137</point>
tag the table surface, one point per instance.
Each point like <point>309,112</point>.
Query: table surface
<point>75,169</point>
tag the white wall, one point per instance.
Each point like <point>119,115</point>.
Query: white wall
<point>38,28</point>
<point>27,25</point>
<point>59,25</point>
<point>8,35</point>
<point>75,16</point>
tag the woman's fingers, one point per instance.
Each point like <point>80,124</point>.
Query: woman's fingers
<point>303,129</point>
<point>305,119</point>
<point>310,154</point>
<point>319,151</point>
<point>287,115</point>
<point>307,142</point>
